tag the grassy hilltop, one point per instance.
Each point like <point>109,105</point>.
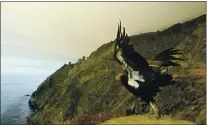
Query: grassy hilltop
<point>145,119</point>
<point>87,90</point>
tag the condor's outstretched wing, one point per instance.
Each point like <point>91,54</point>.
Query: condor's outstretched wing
<point>166,58</point>
<point>133,62</point>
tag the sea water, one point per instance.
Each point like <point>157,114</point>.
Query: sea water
<point>14,102</point>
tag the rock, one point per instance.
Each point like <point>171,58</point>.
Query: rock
<point>32,104</point>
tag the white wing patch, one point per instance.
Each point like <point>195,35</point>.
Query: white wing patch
<point>133,83</point>
<point>137,76</point>
<point>132,75</point>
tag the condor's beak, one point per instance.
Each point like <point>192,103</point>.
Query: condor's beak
<point>118,77</point>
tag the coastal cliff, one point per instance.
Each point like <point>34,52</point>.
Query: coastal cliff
<point>89,87</point>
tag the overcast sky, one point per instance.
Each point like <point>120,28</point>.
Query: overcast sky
<point>48,35</point>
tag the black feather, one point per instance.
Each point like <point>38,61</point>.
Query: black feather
<point>163,80</point>
<point>168,56</point>
<point>170,63</point>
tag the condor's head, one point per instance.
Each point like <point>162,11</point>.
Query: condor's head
<point>121,78</point>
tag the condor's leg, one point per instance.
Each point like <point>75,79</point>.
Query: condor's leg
<point>155,108</point>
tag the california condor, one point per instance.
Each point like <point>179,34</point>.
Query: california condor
<point>143,78</point>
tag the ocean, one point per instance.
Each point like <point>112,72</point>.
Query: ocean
<point>14,103</point>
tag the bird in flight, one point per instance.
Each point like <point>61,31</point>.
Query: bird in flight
<point>143,78</point>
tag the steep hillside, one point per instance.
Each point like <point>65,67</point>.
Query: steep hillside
<point>89,86</point>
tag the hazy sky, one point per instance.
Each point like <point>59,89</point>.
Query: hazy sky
<point>50,34</point>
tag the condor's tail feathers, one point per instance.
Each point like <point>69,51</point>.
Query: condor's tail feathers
<point>167,57</point>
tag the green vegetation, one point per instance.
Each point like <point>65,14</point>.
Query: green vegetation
<point>89,86</point>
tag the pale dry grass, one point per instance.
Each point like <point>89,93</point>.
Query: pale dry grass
<point>145,119</point>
